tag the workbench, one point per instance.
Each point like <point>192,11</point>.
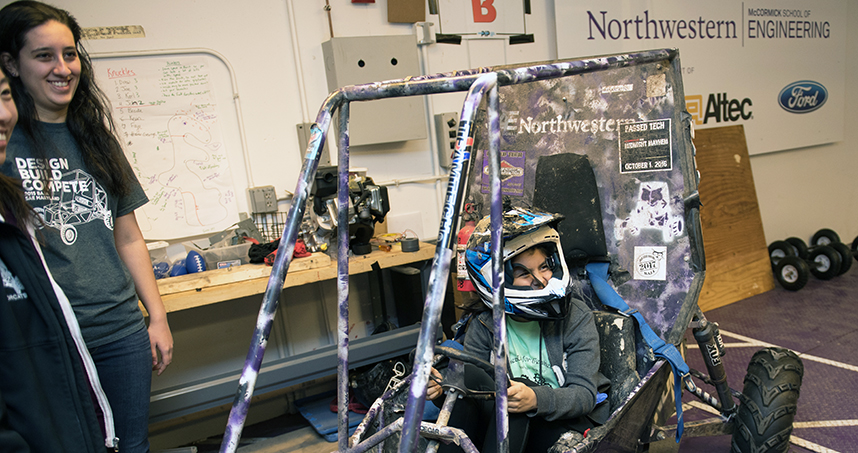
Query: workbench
<point>209,287</point>
<point>212,315</point>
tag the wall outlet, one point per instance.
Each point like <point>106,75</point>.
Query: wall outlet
<point>446,128</point>
<point>263,199</point>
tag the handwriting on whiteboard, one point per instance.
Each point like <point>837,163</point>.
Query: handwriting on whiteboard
<point>166,115</point>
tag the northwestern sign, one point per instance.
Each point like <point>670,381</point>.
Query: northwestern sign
<point>737,57</point>
<point>802,97</point>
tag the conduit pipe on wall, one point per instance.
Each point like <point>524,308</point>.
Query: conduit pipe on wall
<point>299,68</point>
<point>423,44</point>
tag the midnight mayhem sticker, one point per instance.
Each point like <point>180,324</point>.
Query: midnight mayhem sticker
<point>645,146</point>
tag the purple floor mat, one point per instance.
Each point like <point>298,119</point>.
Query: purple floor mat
<point>820,323</point>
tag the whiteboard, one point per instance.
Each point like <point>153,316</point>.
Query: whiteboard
<point>173,129</point>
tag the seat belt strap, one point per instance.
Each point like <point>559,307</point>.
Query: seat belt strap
<point>598,274</point>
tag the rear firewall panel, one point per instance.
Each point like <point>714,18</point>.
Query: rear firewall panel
<point>630,124</point>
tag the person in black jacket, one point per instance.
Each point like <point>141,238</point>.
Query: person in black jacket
<point>47,379</point>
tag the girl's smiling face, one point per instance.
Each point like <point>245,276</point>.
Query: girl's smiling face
<point>49,68</point>
<point>531,268</point>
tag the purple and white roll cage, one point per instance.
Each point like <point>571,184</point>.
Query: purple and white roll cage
<point>480,83</point>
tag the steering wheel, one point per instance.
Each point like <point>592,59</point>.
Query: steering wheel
<point>467,357</point>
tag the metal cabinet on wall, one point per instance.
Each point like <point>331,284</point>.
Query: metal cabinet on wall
<point>366,59</point>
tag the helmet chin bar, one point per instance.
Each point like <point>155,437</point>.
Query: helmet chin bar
<point>541,308</point>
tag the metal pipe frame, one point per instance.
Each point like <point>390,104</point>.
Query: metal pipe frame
<point>413,86</point>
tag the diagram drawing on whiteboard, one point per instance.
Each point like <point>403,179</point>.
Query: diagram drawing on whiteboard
<point>167,118</point>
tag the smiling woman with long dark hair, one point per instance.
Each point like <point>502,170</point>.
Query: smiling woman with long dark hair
<point>78,180</point>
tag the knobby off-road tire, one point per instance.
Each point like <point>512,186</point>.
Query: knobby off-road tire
<point>768,402</point>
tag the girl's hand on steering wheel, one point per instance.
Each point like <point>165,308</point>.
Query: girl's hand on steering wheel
<point>520,397</point>
<point>433,388</point>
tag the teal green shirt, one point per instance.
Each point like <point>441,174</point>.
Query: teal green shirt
<point>527,357</point>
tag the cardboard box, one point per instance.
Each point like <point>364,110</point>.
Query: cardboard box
<point>406,11</point>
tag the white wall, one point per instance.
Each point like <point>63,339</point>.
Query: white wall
<point>803,190</point>
<point>280,88</point>
<point>799,191</point>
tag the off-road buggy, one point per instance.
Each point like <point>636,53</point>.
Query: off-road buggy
<point>605,141</point>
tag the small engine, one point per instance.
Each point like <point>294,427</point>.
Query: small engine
<point>368,204</point>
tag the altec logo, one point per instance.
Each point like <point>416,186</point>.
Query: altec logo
<point>802,97</point>
<point>719,107</point>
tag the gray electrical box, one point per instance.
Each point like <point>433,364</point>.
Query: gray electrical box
<point>365,59</point>
<point>446,130</point>
<point>304,135</point>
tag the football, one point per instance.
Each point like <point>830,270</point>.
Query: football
<point>195,262</point>
<point>178,269</point>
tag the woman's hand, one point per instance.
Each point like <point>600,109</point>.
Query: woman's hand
<point>433,388</point>
<point>161,340</point>
<point>520,398</point>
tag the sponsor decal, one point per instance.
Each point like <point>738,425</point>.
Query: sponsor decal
<point>617,88</point>
<point>556,124</point>
<point>511,173</point>
<point>645,146</point>
<point>650,263</point>
<point>714,355</point>
<point>719,108</point>
<point>802,97</point>
<point>652,211</point>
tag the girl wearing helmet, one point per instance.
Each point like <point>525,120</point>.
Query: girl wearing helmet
<point>552,343</point>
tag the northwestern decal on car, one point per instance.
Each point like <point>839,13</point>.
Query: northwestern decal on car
<point>802,97</point>
<point>558,124</point>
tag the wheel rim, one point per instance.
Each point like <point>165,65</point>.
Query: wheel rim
<point>789,273</point>
<point>69,234</point>
<point>823,264</point>
<point>823,241</point>
<point>777,254</point>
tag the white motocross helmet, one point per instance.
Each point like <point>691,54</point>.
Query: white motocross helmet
<point>523,228</point>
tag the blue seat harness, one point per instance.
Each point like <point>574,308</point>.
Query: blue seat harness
<point>598,274</point>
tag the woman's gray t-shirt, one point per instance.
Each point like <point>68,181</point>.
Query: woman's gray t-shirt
<point>80,250</point>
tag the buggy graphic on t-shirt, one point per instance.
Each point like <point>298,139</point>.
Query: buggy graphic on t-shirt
<point>76,199</point>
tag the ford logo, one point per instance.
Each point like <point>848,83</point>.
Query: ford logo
<point>802,97</point>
